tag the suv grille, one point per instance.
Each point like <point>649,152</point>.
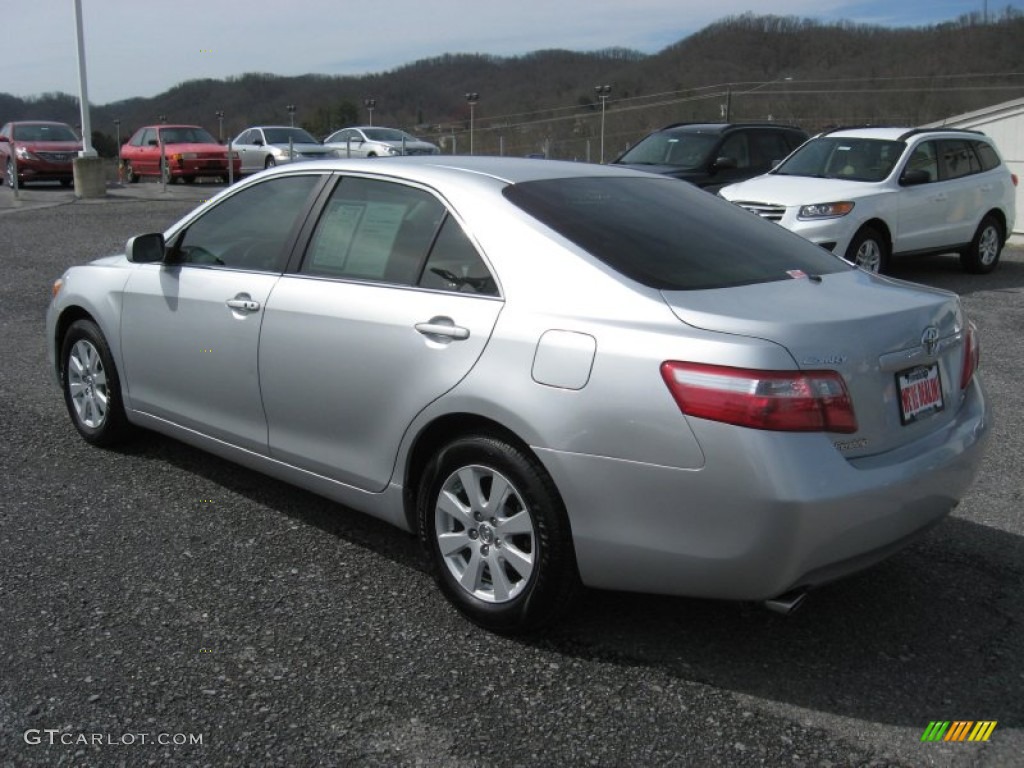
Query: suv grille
<point>764,210</point>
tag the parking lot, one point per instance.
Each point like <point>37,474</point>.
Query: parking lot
<point>191,612</point>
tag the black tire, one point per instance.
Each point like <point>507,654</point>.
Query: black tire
<point>982,255</point>
<point>66,182</point>
<point>869,250</point>
<point>270,162</point>
<point>189,179</point>
<point>371,154</point>
<point>9,173</point>
<point>92,389</point>
<point>130,176</point>
<point>519,599</point>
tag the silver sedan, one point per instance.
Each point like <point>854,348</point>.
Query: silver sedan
<point>264,146</point>
<point>553,373</point>
<point>367,141</point>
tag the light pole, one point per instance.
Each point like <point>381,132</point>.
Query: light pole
<point>220,125</point>
<point>370,104</point>
<point>602,92</point>
<point>472,99</point>
<point>291,113</point>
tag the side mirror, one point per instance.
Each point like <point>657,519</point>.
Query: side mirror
<point>5,139</point>
<point>258,142</point>
<point>145,249</point>
<point>914,177</point>
<point>725,163</point>
<point>153,143</point>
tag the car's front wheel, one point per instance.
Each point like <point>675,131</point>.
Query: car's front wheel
<point>496,534</point>
<point>982,255</point>
<point>869,250</point>
<point>9,173</point>
<point>92,390</point>
<point>130,176</point>
<point>270,163</point>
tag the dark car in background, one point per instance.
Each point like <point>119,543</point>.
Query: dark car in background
<point>712,155</point>
<point>41,150</point>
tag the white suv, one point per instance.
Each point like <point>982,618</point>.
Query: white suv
<point>869,193</point>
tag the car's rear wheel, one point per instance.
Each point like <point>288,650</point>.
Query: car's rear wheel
<point>982,255</point>
<point>869,250</point>
<point>496,534</point>
<point>129,173</point>
<point>92,390</point>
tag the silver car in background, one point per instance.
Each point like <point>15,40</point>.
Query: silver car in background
<point>264,146</point>
<point>554,373</point>
<point>367,141</point>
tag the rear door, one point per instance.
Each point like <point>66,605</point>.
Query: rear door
<point>390,309</point>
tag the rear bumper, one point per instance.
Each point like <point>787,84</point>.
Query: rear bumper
<point>768,513</point>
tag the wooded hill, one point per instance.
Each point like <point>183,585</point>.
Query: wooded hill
<point>749,67</point>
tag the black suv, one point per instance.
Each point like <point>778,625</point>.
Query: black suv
<point>712,155</point>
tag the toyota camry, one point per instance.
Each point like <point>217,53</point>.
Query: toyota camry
<point>555,374</point>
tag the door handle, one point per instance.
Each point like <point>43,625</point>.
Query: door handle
<point>243,305</point>
<point>439,326</point>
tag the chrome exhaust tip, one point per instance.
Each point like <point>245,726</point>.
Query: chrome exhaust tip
<point>786,603</point>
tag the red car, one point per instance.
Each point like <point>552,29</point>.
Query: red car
<point>41,150</point>
<point>190,151</point>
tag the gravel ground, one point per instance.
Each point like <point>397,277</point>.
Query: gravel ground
<point>160,594</point>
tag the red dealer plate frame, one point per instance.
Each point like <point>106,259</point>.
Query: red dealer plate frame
<point>920,392</point>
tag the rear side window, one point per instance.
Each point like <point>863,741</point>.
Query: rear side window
<point>374,230</point>
<point>667,234</point>
<point>987,155</point>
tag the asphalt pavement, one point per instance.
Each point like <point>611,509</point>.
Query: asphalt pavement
<point>159,606</point>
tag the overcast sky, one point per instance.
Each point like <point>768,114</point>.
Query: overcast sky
<point>142,47</point>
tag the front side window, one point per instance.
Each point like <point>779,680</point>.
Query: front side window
<point>374,230</point>
<point>249,230</point>
<point>923,159</point>
<point>666,234</point>
<point>737,147</point>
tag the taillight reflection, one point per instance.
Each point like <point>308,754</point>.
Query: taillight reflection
<point>788,401</point>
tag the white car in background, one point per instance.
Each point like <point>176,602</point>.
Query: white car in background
<point>871,193</point>
<point>264,146</point>
<point>367,141</point>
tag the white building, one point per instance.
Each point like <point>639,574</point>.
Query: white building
<point>1004,124</point>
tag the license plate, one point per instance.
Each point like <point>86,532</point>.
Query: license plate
<point>920,392</point>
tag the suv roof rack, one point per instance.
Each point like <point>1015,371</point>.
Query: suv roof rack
<point>916,131</point>
<point>730,125</point>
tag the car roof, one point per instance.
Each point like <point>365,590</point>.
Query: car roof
<point>436,168</point>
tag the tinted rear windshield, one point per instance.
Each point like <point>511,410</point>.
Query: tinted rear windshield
<point>669,235</point>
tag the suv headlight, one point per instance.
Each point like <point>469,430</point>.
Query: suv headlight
<point>825,210</point>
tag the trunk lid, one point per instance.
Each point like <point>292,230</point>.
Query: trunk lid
<point>870,329</point>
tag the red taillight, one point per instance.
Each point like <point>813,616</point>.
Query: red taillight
<point>788,401</point>
<point>972,355</point>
